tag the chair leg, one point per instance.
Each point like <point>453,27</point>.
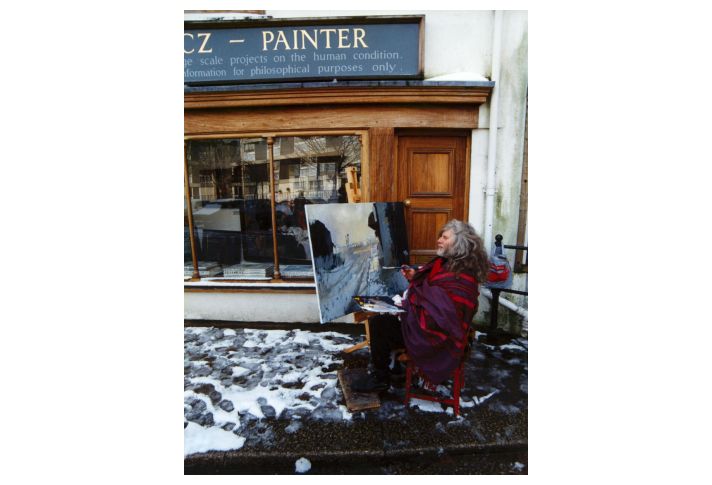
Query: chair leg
<point>408,378</point>
<point>457,385</point>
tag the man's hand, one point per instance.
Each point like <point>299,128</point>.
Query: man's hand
<point>407,272</point>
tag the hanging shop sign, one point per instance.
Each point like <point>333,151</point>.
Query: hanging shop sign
<point>304,50</point>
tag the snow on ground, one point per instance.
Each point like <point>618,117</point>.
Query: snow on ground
<point>199,439</point>
<point>480,400</point>
<point>429,406</point>
<point>237,379</point>
<point>233,376</point>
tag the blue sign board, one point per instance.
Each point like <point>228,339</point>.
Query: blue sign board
<point>274,51</point>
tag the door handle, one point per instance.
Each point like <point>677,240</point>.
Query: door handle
<point>406,202</point>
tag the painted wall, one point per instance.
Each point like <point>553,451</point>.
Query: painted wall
<point>512,87</point>
<point>458,46</point>
<point>251,307</point>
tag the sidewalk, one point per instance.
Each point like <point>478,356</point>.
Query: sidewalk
<point>259,401</point>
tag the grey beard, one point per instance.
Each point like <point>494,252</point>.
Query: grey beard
<point>440,252</point>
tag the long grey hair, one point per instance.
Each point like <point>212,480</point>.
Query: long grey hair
<point>467,251</point>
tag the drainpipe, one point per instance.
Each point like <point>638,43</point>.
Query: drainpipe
<point>492,145</point>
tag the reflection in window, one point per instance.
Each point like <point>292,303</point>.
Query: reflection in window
<point>230,198</point>
<point>310,170</point>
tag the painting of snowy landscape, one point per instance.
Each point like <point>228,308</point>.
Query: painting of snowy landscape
<point>347,243</point>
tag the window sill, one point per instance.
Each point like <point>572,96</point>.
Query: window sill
<point>267,285</point>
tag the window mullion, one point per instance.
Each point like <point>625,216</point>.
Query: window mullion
<point>273,199</point>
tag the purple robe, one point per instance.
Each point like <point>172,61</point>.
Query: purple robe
<point>438,311</point>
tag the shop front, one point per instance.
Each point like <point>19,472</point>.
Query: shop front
<point>287,122</point>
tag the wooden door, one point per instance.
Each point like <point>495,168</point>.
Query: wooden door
<point>433,179</point>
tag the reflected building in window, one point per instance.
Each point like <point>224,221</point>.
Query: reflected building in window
<point>231,201</point>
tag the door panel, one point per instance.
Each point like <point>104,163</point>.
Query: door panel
<point>434,170</point>
<point>423,226</point>
<point>432,181</point>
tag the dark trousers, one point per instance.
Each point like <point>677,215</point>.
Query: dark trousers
<point>385,334</point>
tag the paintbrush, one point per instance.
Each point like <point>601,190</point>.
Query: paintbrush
<point>404,266</point>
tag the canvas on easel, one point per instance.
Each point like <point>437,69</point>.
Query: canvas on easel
<point>357,249</point>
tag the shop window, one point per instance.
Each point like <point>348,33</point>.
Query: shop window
<point>230,198</point>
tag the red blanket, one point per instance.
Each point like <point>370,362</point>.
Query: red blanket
<point>439,308</point>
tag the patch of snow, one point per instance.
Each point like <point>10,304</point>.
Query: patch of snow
<point>511,347</point>
<point>466,404</point>
<point>302,465</point>
<point>238,371</point>
<point>327,344</point>
<point>274,336</point>
<point>427,406</point>
<point>292,376</point>
<point>480,400</point>
<point>205,380</point>
<point>459,420</point>
<point>517,467</point>
<point>301,339</point>
<point>345,414</point>
<point>197,439</point>
<point>219,415</point>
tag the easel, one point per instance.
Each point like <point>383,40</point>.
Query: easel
<point>360,317</point>
<point>356,401</point>
<point>353,191</point>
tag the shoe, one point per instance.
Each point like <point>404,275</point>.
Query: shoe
<point>398,371</point>
<point>397,375</point>
<point>372,382</point>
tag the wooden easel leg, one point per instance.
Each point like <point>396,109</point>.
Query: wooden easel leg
<point>353,348</point>
<point>363,344</point>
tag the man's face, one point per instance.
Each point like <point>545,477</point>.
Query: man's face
<point>445,242</point>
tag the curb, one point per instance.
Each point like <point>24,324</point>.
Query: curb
<point>235,459</point>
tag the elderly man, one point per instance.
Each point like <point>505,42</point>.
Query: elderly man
<point>439,306</point>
